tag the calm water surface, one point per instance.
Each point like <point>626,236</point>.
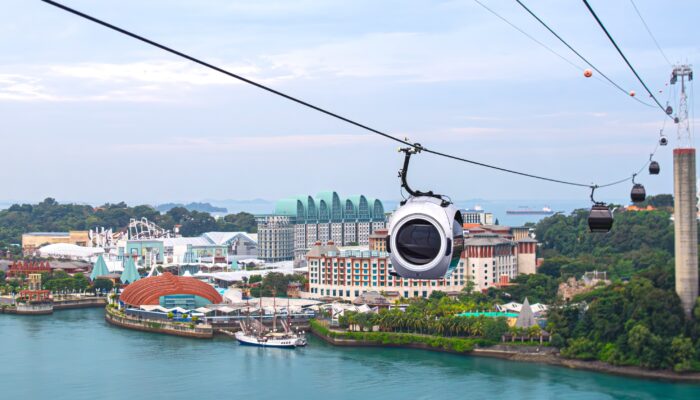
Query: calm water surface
<point>76,355</point>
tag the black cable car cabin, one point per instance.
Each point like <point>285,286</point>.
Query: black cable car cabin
<point>654,168</point>
<point>600,219</point>
<point>638,193</point>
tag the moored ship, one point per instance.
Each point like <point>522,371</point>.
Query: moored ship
<point>254,333</point>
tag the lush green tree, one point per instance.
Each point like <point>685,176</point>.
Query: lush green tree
<point>437,294</point>
<point>102,285</point>
<point>494,328</point>
<point>682,353</point>
<point>581,348</point>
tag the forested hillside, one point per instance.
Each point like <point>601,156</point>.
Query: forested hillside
<point>637,241</point>
<point>638,319</point>
<point>49,215</point>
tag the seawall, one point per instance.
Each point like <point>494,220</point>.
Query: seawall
<point>537,354</point>
<point>163,327</point>
<point>90,302</point>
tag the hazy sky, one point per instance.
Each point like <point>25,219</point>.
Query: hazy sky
<point>91,115</point>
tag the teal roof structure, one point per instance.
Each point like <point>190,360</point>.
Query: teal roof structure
<point>329,206</point>
<point>130,274</point>
<point>99,268</point>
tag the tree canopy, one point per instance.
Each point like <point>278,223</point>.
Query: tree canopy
<point>50,216</point>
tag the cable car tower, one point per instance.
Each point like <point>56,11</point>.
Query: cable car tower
<point>683,72</point>
<point>685,191</point>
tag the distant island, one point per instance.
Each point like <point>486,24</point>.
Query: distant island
<point>201,207</point>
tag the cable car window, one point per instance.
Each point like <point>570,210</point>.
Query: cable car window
<point>418,241</point>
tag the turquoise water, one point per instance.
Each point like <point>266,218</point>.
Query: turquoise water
<point>75,355</point>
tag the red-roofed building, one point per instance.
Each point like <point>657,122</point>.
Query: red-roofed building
<point>23,268</point>
<point>168,290</point>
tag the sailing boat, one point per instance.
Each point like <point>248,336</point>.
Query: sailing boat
<point>254,333</point>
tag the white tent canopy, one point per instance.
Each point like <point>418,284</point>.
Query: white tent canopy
<point>149,307</point>
<point>67,250</point>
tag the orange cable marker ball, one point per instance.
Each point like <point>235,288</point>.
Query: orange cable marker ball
<point>587,73</point>
<point>632,93</point>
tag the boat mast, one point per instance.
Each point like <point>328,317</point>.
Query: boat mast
<point>274,310</point>
<point>261,310</point>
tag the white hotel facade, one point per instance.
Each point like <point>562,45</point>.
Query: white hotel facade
<point>489,260</point>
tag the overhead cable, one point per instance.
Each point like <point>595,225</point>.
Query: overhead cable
<point>502,18</point>
<point>317,108</point>
<point>663,54</point>
<point>584,59</point>
<point>602,26</point>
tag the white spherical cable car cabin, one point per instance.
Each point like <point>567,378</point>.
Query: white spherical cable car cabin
<point>426,237</point>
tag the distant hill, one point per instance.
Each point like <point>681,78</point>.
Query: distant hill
<point>201,207</point>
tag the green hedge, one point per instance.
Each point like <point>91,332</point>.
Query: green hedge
<point>460,345</point>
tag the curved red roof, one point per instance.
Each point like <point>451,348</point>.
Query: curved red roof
<point>149,290</point>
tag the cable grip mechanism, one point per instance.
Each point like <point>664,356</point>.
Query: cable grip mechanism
<point>403,173</point>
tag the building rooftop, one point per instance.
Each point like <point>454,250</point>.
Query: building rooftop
<point>486,239</point>
<point>149,290</point>
<point>222,238</point>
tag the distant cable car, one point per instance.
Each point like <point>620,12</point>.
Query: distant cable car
<point>600,218</point>
<point>669,110</point>
<point>663,141</point>
<point>638,193</point>
<point>654,168</point>
<point>587,73</point>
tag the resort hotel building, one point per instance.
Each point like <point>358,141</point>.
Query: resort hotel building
<point>491,258</point>
<point>299,222</point>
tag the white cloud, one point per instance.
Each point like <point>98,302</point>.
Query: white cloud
<point>152,72</point>
<point>250,143</point>
<point>15,87</point>
<point>422,57</point>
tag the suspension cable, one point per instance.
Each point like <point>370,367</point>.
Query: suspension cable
<point>602,26</point>
<point>322,110</point>
<point>584,59</point>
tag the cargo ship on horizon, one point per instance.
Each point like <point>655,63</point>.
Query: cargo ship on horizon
<point>530,211</point>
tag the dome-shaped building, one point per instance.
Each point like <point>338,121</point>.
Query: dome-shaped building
<point>169,291</point>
